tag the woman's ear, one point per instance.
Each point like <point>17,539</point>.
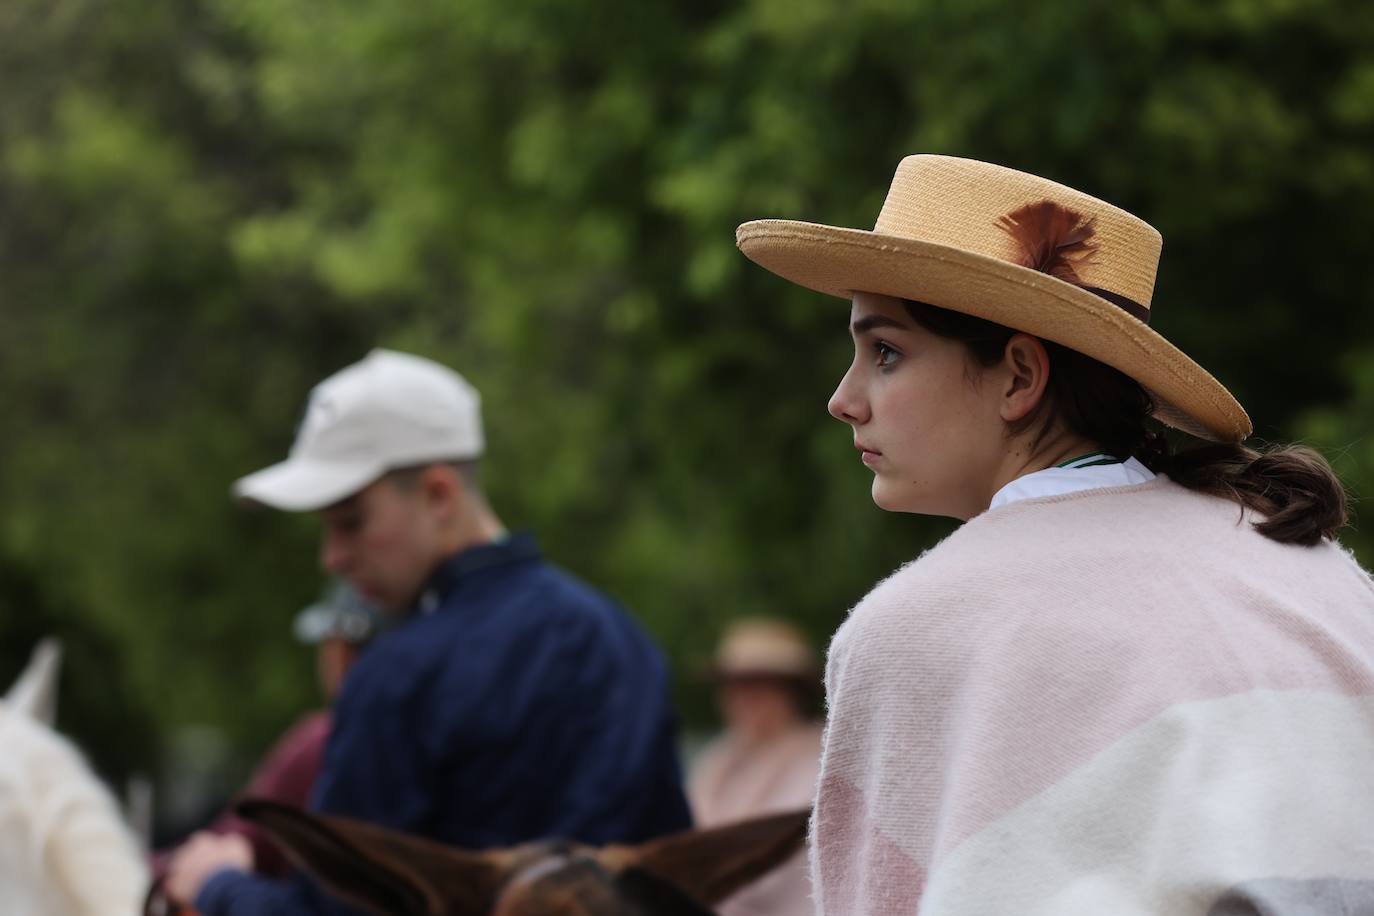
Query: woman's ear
<point>1026,368</point>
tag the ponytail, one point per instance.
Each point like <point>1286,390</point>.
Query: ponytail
<point>1292,486</point>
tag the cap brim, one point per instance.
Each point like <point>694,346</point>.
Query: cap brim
<point>840,262</point>
<point>297,485</point>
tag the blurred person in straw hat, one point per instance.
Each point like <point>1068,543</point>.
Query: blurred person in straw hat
<point>338,626</point>
<point>767,758</point>
<point>1137,679</point>
<point>507,701</point>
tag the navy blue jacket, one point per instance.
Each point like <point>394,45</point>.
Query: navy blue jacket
<point>516,703</point>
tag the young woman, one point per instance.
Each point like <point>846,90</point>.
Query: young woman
<point>1136,680</point>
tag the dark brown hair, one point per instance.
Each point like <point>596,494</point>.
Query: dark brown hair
<point>1293,487</point>
<point>468,470</point>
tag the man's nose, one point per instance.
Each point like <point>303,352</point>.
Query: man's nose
<point>333,555</point>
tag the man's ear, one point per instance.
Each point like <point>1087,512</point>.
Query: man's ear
<point>1026,368</point>
<point>710,865</point>
<point>442,486</point>
<point>380,870</point>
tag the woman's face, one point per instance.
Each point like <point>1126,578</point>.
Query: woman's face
<point>925,421</point>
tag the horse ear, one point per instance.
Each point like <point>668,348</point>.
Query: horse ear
<point>35,693</point>
<point>712,864</point>
<point>380,870</point>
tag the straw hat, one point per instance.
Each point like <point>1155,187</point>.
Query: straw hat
<point>1018,250</point>
<point>763,647</point>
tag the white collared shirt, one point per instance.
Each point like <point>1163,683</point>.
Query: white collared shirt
<point>1083,473</point>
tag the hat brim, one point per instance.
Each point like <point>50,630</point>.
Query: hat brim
<point>298,485</point>
<point>715,673</point>
<point>840,262</point>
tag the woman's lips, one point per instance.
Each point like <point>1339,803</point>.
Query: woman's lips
<point>869,456</point>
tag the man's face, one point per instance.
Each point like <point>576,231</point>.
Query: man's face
<point>384,541</point>
<point>757,708</point>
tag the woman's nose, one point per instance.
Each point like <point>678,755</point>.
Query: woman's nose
<point>845,404</point>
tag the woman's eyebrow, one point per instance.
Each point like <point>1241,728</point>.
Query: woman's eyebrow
<point>869,322</point>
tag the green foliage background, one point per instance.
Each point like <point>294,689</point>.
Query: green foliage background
<point>208,205</point>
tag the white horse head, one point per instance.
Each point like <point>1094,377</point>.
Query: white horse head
<point>64,848</point>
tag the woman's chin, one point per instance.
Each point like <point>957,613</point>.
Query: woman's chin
<point>891,498</point>
<point>885,497</point>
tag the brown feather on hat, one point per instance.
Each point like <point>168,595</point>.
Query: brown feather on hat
<point>1053,239</point>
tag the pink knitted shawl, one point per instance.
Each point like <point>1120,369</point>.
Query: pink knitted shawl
<point>1120,701</point>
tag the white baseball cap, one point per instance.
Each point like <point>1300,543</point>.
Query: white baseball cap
<point>390,410</point>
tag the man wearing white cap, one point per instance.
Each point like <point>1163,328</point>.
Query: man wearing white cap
<point>509,701</point>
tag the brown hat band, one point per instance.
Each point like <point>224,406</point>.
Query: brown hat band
<point>1130,306</point>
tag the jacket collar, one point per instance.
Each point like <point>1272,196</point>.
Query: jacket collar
<point>471,562</point>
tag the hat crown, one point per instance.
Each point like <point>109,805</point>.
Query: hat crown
<point>763,645</point>
<point>394,409</point>
<point>961,202</point>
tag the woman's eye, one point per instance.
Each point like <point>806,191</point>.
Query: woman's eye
<point>885,355</point>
